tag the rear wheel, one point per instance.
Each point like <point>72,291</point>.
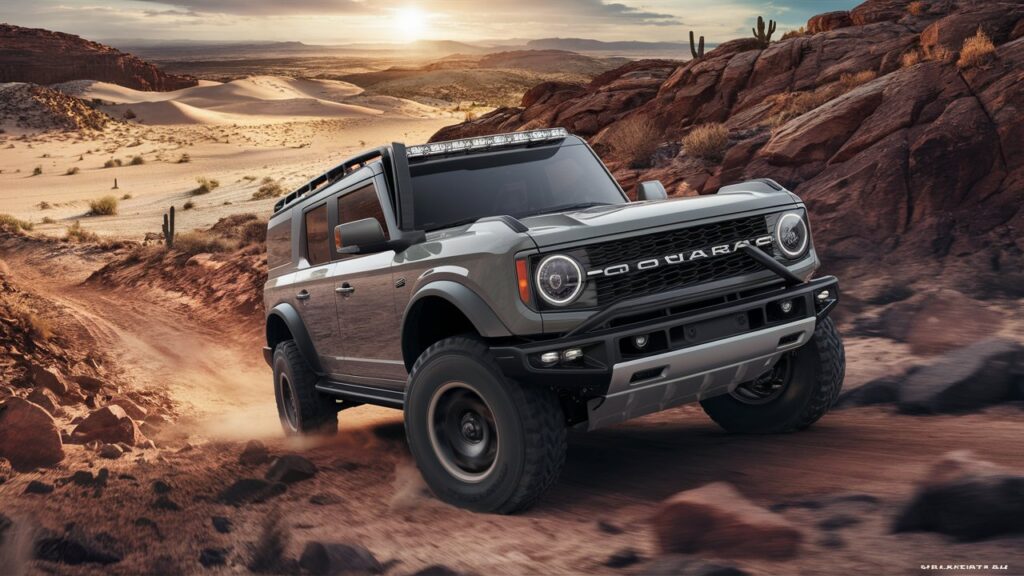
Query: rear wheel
<point>794,394</point>
<point>481,441</point>
<point>301,408</point>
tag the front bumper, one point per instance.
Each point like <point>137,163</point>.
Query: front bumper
<point>693,350</point>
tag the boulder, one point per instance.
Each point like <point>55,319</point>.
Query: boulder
<point>48,378</point>
<point>967,499</point>
<point>946,319</point>
<point>110,451</point>
<point>108,424</point>
<point>829,21</point>
<point>37,487</point>
<point>966,379</point>
<point>326,559</point>
<point>255,453</point>
<point>46,399</point>
<point>717,519</point>
<point>884,390</point>
<point>28,435</point>
<point>89,383</point>
<point>290,468</point>
<point>75,549</point>
<point>130,408</point>
<point>247,490</point>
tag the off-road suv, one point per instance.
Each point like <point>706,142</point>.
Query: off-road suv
<point>502,289</point>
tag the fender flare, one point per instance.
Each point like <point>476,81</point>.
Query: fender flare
<point>481,315</point>
<point>293,321</point>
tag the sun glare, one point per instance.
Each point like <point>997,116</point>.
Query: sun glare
<point>411,23</point>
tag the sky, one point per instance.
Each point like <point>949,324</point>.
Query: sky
<point>361,21</point>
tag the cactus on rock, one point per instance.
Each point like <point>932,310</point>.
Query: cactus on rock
<point>699,51</point>
<point>759,33</point>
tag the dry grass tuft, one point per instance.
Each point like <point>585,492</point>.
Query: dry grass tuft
<point>793,104</point>
<point>938,53</point>
<point>75,233</point>
<point>106,206</point>
<point>9,223</point>
<point>270,188</point>
<point>112,163</point>
<point>636,138</point>
<point>917,8</point>
<point>910,58</point>
<point>184,159</point>
<point>977,50</point>
<point>206,185</point>
<point>707,141</point>
<point>188,205</point>
<point>37,170</point>
<point>137,161</point>
<point>795,33</point>
<point>202,242</point>
<point>72,171</point>
<point>40,328</point>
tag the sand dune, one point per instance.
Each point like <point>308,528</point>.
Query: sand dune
<point>252,100</point>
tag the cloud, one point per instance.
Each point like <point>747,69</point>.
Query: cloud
<point>267,7</point>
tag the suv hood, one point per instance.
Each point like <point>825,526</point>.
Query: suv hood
<point>573,226</point>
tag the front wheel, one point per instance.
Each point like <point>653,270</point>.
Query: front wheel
<point>481,441</point>
<point>794,394</point>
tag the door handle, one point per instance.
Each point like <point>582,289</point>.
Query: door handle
<point>303,295</point>
<point>345,288</point>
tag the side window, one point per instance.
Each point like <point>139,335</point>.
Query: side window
<point>318,250</point>
<point>360,204</point>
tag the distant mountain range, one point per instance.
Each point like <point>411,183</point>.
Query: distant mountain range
<point>590,45</point>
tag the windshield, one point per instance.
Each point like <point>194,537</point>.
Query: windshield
<point>516,183</point>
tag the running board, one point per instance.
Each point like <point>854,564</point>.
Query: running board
<point>364,394</point>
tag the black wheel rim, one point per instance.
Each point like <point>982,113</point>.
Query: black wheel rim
<point>768,386</point>
<point>289,408</point>
<point>463,432</point>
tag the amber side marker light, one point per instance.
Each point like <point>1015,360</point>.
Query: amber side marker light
<point>523,278</point>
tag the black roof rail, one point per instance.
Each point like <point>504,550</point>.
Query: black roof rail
<point>330,177</point>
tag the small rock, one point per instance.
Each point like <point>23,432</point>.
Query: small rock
<point>148,445</point>
<point>248,490</point>
<point>131,408</point>
<point>683,565</point>
<point>608,527</point>
<point>290,468</point>
<point>142,521</point>
<point>48,378</point>
<point>46,399</point>
<point>623,558</point>
<point>210,557</point>
<point>331,558</point>
<point>838,521</point>
<point>93,401</point>
<point>28,435</point>
<point>111,451</point>
<point>109,424</point>
<point>885,390</point>
<point>74,550</point>
<point>716,518</point>
<point>163,502</point>
<point>37,487</point>
<point>255,453</point>
<point>89,383</point>
<point>161,487</point>
<point>156,420</point>
<point>324,499</point>
<point>832,540</point>
<point>222,524</point>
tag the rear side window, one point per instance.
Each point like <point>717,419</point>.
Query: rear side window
<point>360,204</point>
<point>279,244</point>
<point>318,250</point>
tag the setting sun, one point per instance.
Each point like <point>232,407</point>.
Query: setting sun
<point>410,23</point>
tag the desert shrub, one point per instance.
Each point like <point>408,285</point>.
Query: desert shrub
<point>184,159</point>
<point>126,196</point>
<point>137,160</point>
<point>202,242</point>
<point>129,114</point>
<point>270,188</point>
<point>795,33</point>
<point>72,171</point>
<point>206,185</point>
<point>249,177</point>
<point>977,50</point>
<point>917,8</point>
<point>636,138</point>
<point>938,53</point>
<point>48,220</point>
<point>75,233</point>
<point>106,206</point>
<point>11,224</point>
<point>910,58</point>
<point>44,205</point>
<point>40,328</point>
<point>793,104</point>
<point>707,141</point>
<point>37,170</point>
<point>469,116</point>
<point>849,81</point>
<point>188,205</point>
<point>112,163</point>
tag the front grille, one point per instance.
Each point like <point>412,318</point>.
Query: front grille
<point>668,277</point>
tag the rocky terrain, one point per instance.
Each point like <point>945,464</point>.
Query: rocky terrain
<point>43,57</point>
<point>907,148</point>
<point>40,108</point>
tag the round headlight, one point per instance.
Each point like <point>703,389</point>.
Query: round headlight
<point>559,280</point>
<point>791,235</point>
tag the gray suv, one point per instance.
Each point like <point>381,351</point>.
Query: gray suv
<point>503,289</point>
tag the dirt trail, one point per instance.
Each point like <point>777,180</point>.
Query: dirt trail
<point>218,384</point>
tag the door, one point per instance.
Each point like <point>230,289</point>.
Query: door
<point>368,321</point>
<point>314,296</point>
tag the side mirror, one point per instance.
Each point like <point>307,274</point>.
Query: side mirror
<point>650,190</point>
<point>360,237</point>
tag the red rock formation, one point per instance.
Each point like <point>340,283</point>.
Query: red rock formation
<point>920,169</point>
<point>43,57</point>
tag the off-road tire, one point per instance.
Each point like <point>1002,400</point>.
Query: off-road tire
<point>315,413</point>
<point>528,420</point>
<point>817,377</point>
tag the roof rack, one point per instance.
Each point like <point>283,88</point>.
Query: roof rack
<point>331,176</point>
<point>480,143</point>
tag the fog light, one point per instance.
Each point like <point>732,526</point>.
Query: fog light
<point>640,341</point>
<point>572,354</point>
<point>823,295</point>
<point>549,357</point>
<point>786,306</point>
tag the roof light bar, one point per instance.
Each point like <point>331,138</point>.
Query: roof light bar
<point>486,142</point>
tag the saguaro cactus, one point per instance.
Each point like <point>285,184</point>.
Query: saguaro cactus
<point>759,33</point>
<point>169,229</point>
<point>696,52</point>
